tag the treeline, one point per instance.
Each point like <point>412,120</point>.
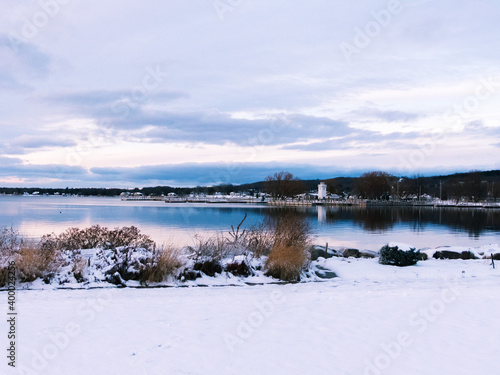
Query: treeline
<point>473,186</point>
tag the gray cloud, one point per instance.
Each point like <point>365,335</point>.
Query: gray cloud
<point>216,128</point>
<point>32,141</point>
<point>16,53</point>
<point>191,174</point>
<point>388,116</point>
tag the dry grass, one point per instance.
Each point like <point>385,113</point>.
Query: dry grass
<point>34,262</point>
<point>286,262</point>
<point>289,254</point>
<point>165,262</point>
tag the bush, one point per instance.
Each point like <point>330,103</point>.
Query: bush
<point>97,236</point>
<point>239,269</point>
<point>289,254</point>
<point>10,242</point>
<point>395,257</point>
<point>208,267</point>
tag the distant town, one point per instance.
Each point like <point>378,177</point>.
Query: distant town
<point>480,188</point>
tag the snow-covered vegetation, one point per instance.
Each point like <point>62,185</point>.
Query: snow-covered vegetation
<point>277,250</point>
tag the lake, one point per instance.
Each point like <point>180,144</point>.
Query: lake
<point>358,227</point>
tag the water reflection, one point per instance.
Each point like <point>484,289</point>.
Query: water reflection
<point>472,221</point>
<point>368,226</point>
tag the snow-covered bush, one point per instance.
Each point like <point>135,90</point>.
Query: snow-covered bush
<point>241,268</point>
<point>395,257</point>
<point>208,267</point>
<point>10,241</point>
<point>125,263</point>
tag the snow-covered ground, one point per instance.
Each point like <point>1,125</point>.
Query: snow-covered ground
<point>438,317</point>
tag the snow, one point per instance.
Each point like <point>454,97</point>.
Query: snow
<point>438,317</point>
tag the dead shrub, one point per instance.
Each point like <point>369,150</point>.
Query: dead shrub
<point>213,247</point>
<point>97,236</point>
<point>259,240</point>
<point>127,236</point>
<point>10,241</point>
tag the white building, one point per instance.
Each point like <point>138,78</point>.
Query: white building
<point>322,190</point>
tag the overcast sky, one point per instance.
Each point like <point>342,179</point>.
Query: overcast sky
<point>184,93</point>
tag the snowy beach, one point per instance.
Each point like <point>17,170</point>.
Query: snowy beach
<point>432,318</point>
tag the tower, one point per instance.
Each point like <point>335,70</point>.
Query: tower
<point>322,190</point>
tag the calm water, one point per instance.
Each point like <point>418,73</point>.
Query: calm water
<point>364,228</point>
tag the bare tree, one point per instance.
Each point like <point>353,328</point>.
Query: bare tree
<point>284,184</point>
<point>375,185</point>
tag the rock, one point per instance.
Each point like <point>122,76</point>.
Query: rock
<point>239,269</point>
<point>446,254</point>
<point>319,251</point>
<point>324,273</point>
<point>351,253</point>
<point>209,267</point>
<point>115,279</point>
<point>189,275</point>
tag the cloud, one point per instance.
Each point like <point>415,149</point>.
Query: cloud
<point>388,116</point>
<point>14,167</point>
<point>32,141</point>
<point>192,174</point>
<point>17,56</point>
<point>217,128</point>
<point>112,106</point>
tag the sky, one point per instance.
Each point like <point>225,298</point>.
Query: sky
<point>203,92</point>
